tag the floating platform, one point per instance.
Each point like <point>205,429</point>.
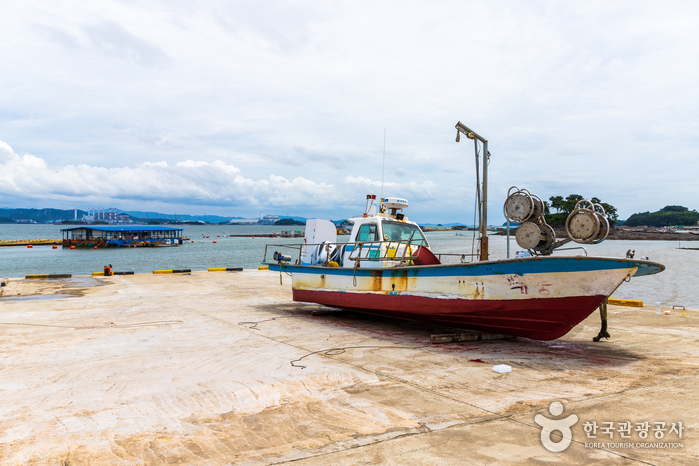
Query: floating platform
<point>111,236</point>
<point>31,242</point>
<point>224,368</point>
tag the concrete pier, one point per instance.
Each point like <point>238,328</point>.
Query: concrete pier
<point>223,368</point>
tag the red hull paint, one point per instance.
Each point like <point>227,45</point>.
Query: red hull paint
<point>539,319</point>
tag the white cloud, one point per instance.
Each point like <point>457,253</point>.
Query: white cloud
<point>203,101</point>
<point>198,182</point>
<point>193,182</point>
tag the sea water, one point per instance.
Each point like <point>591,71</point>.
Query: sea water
<point>677,285</point>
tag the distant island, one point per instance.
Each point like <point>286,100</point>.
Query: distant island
<point>671,223</point>
<point>119,217</point>
<point>665,218</point>
<point>672,215</point>
<point>565,206</point>
<point>289,221</point>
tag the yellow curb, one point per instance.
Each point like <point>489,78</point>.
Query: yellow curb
<point>625,302</point>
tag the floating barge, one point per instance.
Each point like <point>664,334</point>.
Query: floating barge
<point>30,242</point>
<point>109,236</point>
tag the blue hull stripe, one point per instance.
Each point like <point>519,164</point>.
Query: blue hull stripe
<point>504,267</point>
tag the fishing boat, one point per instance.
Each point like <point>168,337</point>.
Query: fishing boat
<point>388,268</point>
<point>166,243</point>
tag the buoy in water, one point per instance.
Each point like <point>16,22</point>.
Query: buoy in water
<point>214,241</point>
<point>72,247</point>
<point>55,247</point>
<point>30,246</point>
<point>95,247</point>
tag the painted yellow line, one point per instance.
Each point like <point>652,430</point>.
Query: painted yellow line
<point>162,271</point>
<point>625,302</point>
<point>217,269</point>
<point>98,274</point>
<point>263,267</point>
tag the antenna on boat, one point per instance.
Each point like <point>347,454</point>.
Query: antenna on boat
<point>383,167</point>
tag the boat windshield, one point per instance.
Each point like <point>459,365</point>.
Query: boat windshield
<point>397,231</point>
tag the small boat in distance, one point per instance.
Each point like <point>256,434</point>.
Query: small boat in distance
<point>166,243</point>
<point>387,268</point>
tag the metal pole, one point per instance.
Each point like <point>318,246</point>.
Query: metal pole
<point>508,238</point>
<point>484,199</point>
<point>483,217</point>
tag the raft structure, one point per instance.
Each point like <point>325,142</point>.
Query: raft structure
<point>109,236</point>
<point>30,242</point>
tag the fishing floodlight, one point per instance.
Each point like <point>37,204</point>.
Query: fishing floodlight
<point>461,128</point>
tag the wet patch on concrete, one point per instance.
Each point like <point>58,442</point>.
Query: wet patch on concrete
<point>48,289</point>
<point>34,297</point>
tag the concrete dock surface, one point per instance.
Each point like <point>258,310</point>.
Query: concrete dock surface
<point>224,368</point>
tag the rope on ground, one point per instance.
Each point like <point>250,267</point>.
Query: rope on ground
<point>254,324</point>
<point>340,350</point>
<point>109,325</point>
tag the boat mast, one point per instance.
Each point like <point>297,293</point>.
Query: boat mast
<point>483,190</point>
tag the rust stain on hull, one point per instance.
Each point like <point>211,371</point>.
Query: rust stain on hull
<point>377,280</point>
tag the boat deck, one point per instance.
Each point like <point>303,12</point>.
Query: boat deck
<point>221,368</point>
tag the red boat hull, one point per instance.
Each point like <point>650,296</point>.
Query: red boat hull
<point>537,318</point>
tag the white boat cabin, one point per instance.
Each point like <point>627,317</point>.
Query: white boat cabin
<point>379,238</point>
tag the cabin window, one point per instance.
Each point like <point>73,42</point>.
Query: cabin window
<point>367,232</point>
<point>397,231</point>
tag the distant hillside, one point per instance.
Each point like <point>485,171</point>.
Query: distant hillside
<point>667,216</point>
<point>163,218</point>
<point>288,221</point>
<point>10,215</point>
<point>40,215</point>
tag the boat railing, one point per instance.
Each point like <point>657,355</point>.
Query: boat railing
<point>294,247</point>
<point>447,258</point>
<point>573,248</point>
<point>399,251</point>
<point>393,251</point>
<point>375,251</point>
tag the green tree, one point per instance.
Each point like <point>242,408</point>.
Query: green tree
<point>569,203</point>
<point>564,207</point>
<point>556,203</point>
<point>609,209</point>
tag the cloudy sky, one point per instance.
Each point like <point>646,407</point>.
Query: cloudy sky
<point>241,107</point>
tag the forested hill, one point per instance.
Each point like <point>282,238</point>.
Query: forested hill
<point>38,215</point>
<point>667,216</point>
